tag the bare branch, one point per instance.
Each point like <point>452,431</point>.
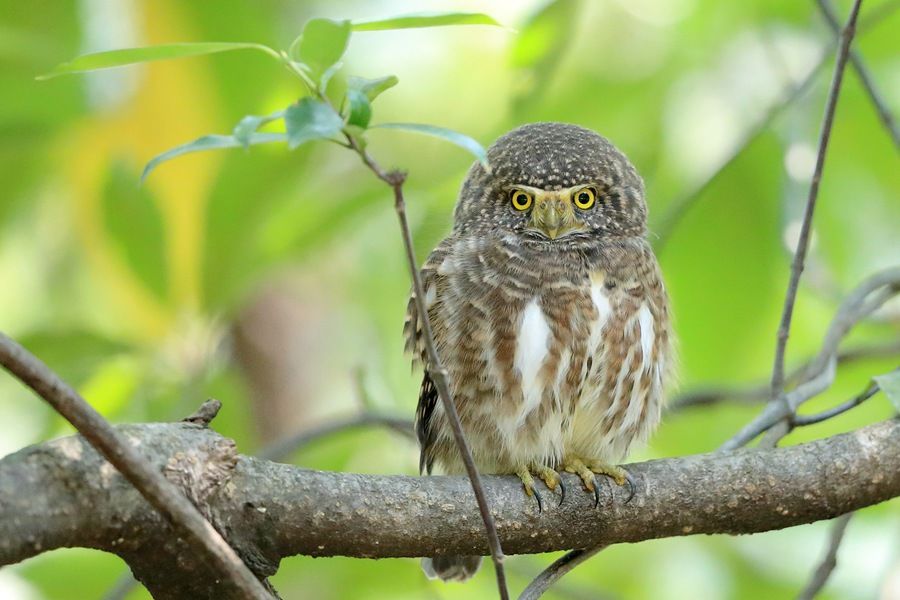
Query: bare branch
<point>819,376</point>
<point>436,370</point>
<point>803,420</point>
<point>273,510</point>
<point>281,449</point>
<point>759,392</point>
<point>556,570</point>
<point>829,561</point>
<point>856,61</point>
<point>150,482</point>
<point>797,264</point>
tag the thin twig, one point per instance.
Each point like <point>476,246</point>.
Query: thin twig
<point>679,208</point>
<point>436,370</point>
<point>283,448</point>
<point>804,420</point>
<point>867,297</point>
<point>797,264</point>
<point>856,61</point>
<point>759,392</point>
<point>556,570</point>
<point>829,561</point>
<point>395,180</point>
<point>159,491</point>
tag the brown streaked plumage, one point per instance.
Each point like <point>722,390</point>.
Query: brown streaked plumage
<point>549,313</point>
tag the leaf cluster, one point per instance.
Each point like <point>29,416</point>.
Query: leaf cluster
<point>314,57</point>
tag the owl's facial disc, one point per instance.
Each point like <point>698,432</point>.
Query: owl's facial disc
<point>553,213</point>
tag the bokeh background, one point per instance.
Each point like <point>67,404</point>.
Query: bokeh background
<point>275,280</point>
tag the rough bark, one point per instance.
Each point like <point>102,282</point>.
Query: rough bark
<point>62,493</point>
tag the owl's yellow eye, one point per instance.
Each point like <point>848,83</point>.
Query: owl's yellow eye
<point>521,200</point>
<point>584,198</point>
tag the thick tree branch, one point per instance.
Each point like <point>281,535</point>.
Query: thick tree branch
<point>149,482</point>
<point>62,493</point>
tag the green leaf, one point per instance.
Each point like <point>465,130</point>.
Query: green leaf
<point>310,119</point>
<point>249,124</point>
<point>416,20</point>
<point>454,137</point>
<point>135,225</point>
<point>372,88</point>
<point>321,44</point>
<point>209,142</point>
<point>890,385</point>
<point>130,56</point>
<point>360,109</point>
<point>360,93</point>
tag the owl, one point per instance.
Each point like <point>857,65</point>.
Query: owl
<point>549,314</point>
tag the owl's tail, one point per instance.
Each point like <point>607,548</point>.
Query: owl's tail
<point>451,568</point>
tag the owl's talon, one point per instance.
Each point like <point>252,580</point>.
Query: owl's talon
<point>632,486</point>
<point>528,483</point>
<point>587,469</point>
<point>549,476</point>
<point>562,492</point>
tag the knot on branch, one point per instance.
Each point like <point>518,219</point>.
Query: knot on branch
<point>201,470</point>
<point>395,178</point>
<point>204,415</point>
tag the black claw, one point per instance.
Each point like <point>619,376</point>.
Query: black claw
<point>596,492</point>
<point>540,502</point>
<point>632,486</point>
<point>562,492</point>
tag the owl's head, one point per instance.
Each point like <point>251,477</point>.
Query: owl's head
<point>553,183</point>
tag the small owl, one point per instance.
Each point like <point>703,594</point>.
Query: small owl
<point>550,315</point>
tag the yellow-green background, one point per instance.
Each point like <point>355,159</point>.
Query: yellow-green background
<point>150,299</point>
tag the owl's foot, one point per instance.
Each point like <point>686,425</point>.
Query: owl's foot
<point>588,469</point>
<point>550,478</point>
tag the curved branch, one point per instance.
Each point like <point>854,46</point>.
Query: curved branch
<point>556,570</point>
<point>862,301</point>
<point>187,520</point>
<point>270,510</point>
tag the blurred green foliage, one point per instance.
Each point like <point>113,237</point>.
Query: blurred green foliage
<point>138,294</point>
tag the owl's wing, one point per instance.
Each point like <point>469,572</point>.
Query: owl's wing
<point>412,331</point>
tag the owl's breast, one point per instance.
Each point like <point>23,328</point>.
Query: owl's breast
<point>513,332</point>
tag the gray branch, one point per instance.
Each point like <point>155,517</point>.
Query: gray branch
<point>62,494</point>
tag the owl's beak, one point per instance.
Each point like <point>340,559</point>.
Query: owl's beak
<point>554,216</point>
